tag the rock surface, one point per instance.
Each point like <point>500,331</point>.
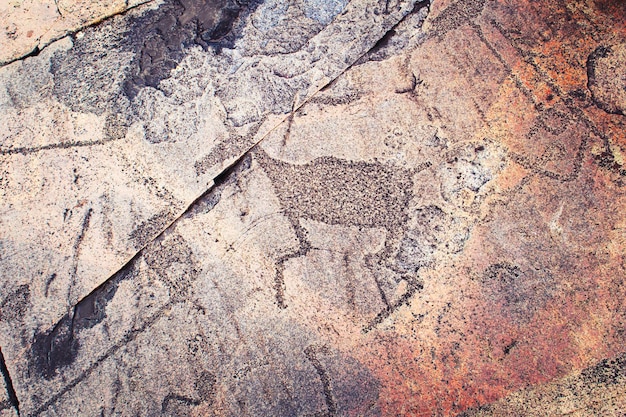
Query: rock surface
<point>599,391</point>
<point>317,208</point>
<point>30,25</point>
<point>130,128</point>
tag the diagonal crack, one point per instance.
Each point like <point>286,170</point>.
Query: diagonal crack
<point>70,32</point>
<point>226,173</point>
<point>13,401</point>
<point>72,322</point>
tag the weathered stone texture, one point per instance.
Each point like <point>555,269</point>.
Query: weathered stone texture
<point>599,390</point>
<point>318,208</point>
<point>28,26</point>
<point>106,153</point>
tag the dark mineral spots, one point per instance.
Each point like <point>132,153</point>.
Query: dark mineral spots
<point>340,192</point>
<point>593,392</point>
<point>607,372</point>
<point>457,14</point>
<point>15,304</point>
<point>606,78</point>
<point>106,68</point>
<point>146,231</point>
<point>335,191</point>
<point>519,293</point>
<point>311,353</point>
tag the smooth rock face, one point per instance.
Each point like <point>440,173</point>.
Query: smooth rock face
<point>317,208</point>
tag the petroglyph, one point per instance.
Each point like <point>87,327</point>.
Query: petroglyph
<point>315,208</point>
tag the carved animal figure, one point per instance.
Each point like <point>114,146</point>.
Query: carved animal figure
<point>339,192</point>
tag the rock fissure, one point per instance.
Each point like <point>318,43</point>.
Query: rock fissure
<point>71,33</point>
<point>257,245</point>
<point>13,400</point>
<point>58,347</point>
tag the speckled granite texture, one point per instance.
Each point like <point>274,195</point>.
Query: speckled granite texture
<point>314,208</point>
